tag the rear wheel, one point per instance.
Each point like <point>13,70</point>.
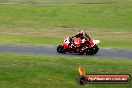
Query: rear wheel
<point>60,49</point>
<point>93,50</point>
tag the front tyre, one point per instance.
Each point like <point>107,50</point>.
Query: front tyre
<point>93,50</point>
<point>60,49</point>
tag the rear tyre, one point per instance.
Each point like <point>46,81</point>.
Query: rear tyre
<point>60,49</point>
<point>93,50</point>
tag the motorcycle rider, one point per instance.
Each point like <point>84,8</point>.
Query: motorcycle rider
<point>82,35</point>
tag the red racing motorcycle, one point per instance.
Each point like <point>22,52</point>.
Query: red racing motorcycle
<point>88,46</point>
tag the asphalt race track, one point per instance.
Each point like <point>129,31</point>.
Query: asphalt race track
<point>50,50</point>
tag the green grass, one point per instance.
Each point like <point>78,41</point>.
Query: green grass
<point>17,22</point>
<point>70,1</point>
<point>112,17</point>
<point>29,40</point>
<point>30,71</point>
<point>55,41</point>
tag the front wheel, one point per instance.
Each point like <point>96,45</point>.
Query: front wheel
<point>93,50</point>
<point>60,49</point>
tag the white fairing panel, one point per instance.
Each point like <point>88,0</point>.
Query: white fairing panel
<point>96,41</point>
<point>67,40</point>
